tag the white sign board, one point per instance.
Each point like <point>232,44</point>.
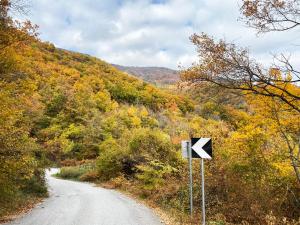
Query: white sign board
<point>185,149</point>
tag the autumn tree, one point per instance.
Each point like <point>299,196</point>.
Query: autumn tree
<point>287,125</point>
<point>20,156</point>
<point>231,67</point>
<point>13,36</point>
<point>271,15</point>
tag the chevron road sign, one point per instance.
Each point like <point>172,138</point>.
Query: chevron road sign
<point>201,148</point>
<point>197,148</point>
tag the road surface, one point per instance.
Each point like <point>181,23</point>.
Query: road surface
<point>76,203</point>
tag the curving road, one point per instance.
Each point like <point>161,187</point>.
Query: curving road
<point>76,203</point>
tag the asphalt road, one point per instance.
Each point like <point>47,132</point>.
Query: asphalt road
<point>76,203</point>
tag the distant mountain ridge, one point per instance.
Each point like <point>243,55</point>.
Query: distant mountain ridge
<point>156,75</point>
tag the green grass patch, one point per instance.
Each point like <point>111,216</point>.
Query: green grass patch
<point>80,172</point>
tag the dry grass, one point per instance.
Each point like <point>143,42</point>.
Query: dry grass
<point>20,208</point>
<point>174,216</point>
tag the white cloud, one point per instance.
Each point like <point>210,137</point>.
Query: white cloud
<point>149,33</point>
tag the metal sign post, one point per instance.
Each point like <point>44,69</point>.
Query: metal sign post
<point>203,196</point>
<point>191,176</point>
<point>197,148</point>
<point>187,153</point>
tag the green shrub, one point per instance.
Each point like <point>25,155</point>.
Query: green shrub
<point>148,144</point>
<point>153,175</point>
<point>74,172</point>
<point>109,162</point>
<point>36,184</point>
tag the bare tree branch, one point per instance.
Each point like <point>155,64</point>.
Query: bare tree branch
<point>271,15</point>
<point>230,67</point>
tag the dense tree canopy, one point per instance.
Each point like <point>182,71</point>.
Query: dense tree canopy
<point>59,107</point>
<point>230,67</point>
<point>20,156</point>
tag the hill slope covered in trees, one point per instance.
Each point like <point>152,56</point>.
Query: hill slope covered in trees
<point>155,75</point>
<point>77,90</point>
<point>57,105</point>
<point>123,130</point>
<point>66,108</point>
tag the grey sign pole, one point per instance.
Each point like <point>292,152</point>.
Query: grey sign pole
<point>191,175</point>
<point>197,148</point>
<point>203,196</point>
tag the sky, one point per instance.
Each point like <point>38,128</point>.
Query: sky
<point>152,32</point>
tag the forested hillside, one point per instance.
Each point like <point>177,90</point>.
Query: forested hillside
<point>62,108</point>
<point>156,75</point>
<point>114,127</point>
<point>60,105</point>
<point>79,111</point>
<point>85,101</point>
